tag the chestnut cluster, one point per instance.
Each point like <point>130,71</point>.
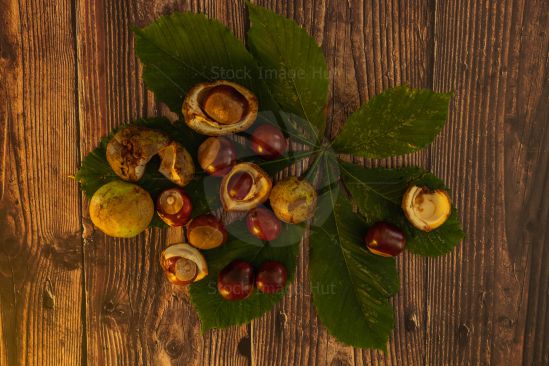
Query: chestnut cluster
<point>425,209</point>
<point>238,279</point>
<point>218,109</point>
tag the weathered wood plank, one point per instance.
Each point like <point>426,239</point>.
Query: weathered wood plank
<point>134,316</point>
<point>369,47</point>
<point>493,154</point>
<point>484,304</point>
<point>40,243</point>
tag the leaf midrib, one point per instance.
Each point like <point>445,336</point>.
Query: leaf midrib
<point>357,297</point>
<point>283,62</point>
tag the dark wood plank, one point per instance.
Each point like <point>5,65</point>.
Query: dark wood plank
<point>40,243</point>
<point>488,300</point>
<point>134,316</point>
<point>369,47</point>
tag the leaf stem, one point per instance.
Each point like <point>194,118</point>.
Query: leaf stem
<point>295,157</point>
<point>313,168</point>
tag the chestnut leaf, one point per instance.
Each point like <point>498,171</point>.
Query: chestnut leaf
<point>181,50</point>
<point>350,285</point>
<point>291,64</point>
<point>378,194</point>
<point>95,170</point>
<point>216,312</point>
<point>398,121</point>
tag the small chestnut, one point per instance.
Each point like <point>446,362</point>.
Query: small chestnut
<point>239,185</point>
<point>385,239</point>
<point>183,264</point>
<point>263,224</point>
<point>174,207</point>
<point>236,281</point>
<point>217,155</point>
<point>245,187</point>
<point>206,232</point>
<point>268,142</point>
<point>271,277</point>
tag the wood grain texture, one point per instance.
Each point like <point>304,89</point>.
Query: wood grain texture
<point>493,154</point>
<point>69,295</point>
<point>40,244</point>
<point>133,315</point>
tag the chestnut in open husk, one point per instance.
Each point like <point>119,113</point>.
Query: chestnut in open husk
<point>236,281</point>
<point>121,209</point>
<point>217,155</point>
<point>174,206</point>
<point>206,232</point>
<point>245,187</point>
<point>426,209</point>
<point>183,264</point>
<point>293,200</point>
<point>220,108</point>
<point>385,239</point>
<point>131,148</point>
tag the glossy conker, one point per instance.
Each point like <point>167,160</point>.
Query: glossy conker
<point>268,142</point>
<point>174,207</point>
<point>217,155</point>
<point>385,239</point>
<point>263,224</point>
<point>271,277</point>
<point>239,185</point>
<point>236,281</point>
<point>245,187</point>
<point>206,232</point>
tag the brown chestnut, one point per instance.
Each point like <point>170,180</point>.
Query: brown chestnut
<point>236,281</point>
<point>220,108</point>
<point>245,187</point>
<point>206,232</point>
<point>263,224</point>
<point>224,104</point>
<point>174,207</point>
<point>217,155</point>
<point>268,142</point>
<point>183,264</point>
<point>385,239</point>
<point>271,277</point>
<point>239,185</point>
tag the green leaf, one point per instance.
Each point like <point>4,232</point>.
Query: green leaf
<point>181,50</point>
<point>291,64</point>
<point>398,121</point>
<point>96,171</point>
<point>216,312</point>
<point>350,285</point>
<point>378,194</point>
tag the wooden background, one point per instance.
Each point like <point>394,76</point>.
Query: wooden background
<point>69,295</point>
